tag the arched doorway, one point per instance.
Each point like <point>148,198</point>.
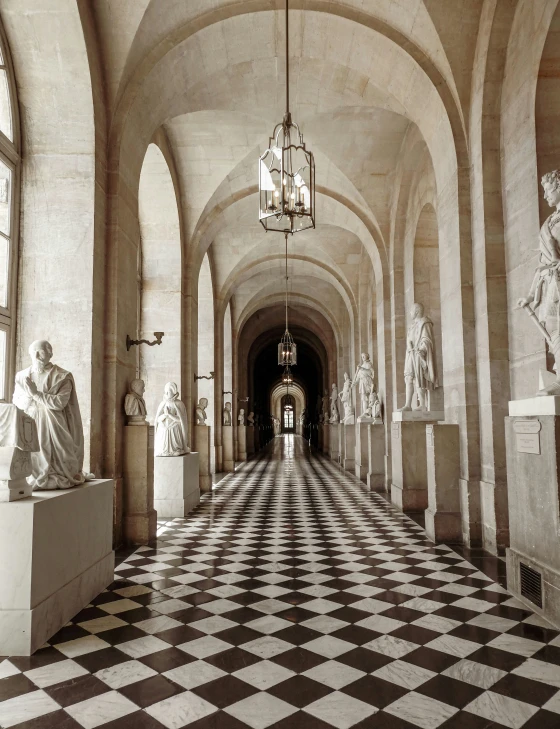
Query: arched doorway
<point>288,410</point>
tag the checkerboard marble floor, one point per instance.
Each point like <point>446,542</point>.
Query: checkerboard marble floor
<point>292,598</point>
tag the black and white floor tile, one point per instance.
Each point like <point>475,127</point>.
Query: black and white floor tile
<point>292,598</point>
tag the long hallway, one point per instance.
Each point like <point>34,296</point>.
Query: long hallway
<point>292,598</point>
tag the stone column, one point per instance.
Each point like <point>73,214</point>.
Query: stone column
<point>361,466</point>
<point>242,442</point>
<point>409,487</point>
<point>443,515</point>
<point>334,451</point>
<point>202,445</point>
<point>349,448</point>
<point>250,440</point>
<point>375,478</point>
<point>176,485</point>
<point>227,442</point>
<point>139,515</point>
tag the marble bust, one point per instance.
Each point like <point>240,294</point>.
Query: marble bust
<point>335,415</point>
<point>171,427</point>
<point>200,411</point>
<point>346,399</point>
<point>134,405</point>
<point>420,370</point>
<point>251,418</point>
<point>542,302</point>
<point>364,379</point>
<point>241,417</point>
<point>227,414</point>
<point>47,394</point>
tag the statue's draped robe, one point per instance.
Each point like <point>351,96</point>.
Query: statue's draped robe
<point>364,378</point>
<point>171,428</point>
<point>545,287</point>
<point>55,409</point>
<point>134,405</point>
<point>420,362</point>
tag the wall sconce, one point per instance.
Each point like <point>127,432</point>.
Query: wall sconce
<point>227,392</point>
<point>204,377</point>
<point>135,342</point>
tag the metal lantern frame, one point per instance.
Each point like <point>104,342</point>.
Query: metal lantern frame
<point>287,349</point>
<point>287,377</point>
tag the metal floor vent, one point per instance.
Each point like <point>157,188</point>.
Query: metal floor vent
<point>531,584</point>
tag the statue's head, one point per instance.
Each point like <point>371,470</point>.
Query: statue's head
<point>228,406</point>
<point>417,311</point>
<point>203,403</point>
<point>170,391</point>
<point>40,352</point>
<point>365,356</point>
<point>138,387</point>
<point>551,186</point>
<point>242,412</point>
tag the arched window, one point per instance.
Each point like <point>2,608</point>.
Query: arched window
<point>9,217</point>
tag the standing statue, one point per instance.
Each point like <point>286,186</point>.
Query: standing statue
<point>200,411</point>
<point>171,426</point>
<point>47,394</point>
<point>420,370</point>
<point>303,417</point>
<point>542,301</point>
<point>251,418</point>
<point>346,399</point>
<point>227,413</point>
<point>241,417</point>
<point>335,415</point>
<point>325,411</point>
<point>134,405</point>
<point>364,379</point>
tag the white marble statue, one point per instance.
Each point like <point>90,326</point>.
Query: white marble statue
<point>325,411</point>
<point>346,399</point>
<point>303,417</point>
<point>364,379</point>
<point>134,405</point>
<point>335,415</point>
<point>251,418</point>
<point>542,302</point>
<point>200,411</point>
<point>373,411</point>
<point>227,413</point>
<point>171,426</point>
<point>420,369</point>
<point>241,417</point>
<point>47,394</point>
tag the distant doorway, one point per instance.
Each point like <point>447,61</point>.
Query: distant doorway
<point>288,414</point>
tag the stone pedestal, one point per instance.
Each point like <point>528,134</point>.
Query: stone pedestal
<point>176,485</point>
<point>533,474</point>
<point>409,487</point>
<point>57,555</point>
<point>326,440</point>
<point>348,455</point>
<point>139,515</point>
<point>361,465</point>
<point>334,447</point>
<point>443,515</point>
<point>202,445</point>
<point>375,478</point>
<point>250,440</point>
<point>242,442</point>
<point>227,442</point>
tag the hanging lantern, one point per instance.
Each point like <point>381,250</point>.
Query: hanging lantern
<point>287,378</point>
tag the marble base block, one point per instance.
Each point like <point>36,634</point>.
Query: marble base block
<point>139,515</point>
<point>545,405</point>
<point>334,447</point>
<point>418,416</point>
<point>326,438</point>
<point>443,515</point>
<point>57,555</point>
<point>348,454</point>
<point>242,442</point>
<point>375,478</point>
<point>361,452</point>
<point>203,445</point>
<point>409,486</point>
<point>176,485</point>
<point>250,440</point>
<point>533,475</point>
<point>227,443</point>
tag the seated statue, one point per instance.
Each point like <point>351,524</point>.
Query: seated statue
<point>200,411</point>
<point>47,394</point>
<point>171,426</point>
<point>134,405</point>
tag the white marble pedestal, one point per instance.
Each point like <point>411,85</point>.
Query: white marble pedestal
<point>334,449</point>
<point>250,440</point>
<point>348,455</point>
<point>361,465</point>
<point>227,443</point>
<point>57,555</point>
<point>242,442</point>
<point>533,475</point>
<point>139,516</point>
<point>176,485</point>
<point>443,515</point>
<point>375,478</point>
<point>202,445</point>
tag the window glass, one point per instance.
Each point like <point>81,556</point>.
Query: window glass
<point>5,106</point>
<point>3,339</point>
<point>4,263</point>
<point>5,197</point>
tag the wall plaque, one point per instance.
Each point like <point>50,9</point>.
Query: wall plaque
<point>396,430</point>
<point>527,436</point>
